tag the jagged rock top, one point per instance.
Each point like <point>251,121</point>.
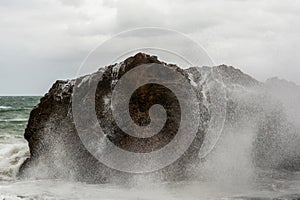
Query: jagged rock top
<point>230,75</point>
<point>281,83</point>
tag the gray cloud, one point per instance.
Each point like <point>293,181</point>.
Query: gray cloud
<point>42,41</point>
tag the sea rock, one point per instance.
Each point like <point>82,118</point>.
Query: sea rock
<point>56,150</point>
<point>254,112</point>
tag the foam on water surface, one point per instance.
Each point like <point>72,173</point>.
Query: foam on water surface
<point>56,189</point>
<point>11,157</point>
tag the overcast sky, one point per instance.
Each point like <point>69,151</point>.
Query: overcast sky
<point>45,40</point>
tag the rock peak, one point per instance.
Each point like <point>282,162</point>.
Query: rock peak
<point>236,76</point>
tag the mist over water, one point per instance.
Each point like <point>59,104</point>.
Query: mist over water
<point>230,171</point>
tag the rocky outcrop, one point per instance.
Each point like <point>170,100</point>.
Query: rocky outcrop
<point>56,150</point>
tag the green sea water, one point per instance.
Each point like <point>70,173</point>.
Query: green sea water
<point>14,115</point>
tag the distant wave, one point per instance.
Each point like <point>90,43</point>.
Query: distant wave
<point>14,120</point>
<point>5,107</point>
<point>11,109</point>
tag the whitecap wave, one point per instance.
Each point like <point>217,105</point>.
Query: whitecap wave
<point>11,157</point>
<point>14,120</point>
<point>5,107</point>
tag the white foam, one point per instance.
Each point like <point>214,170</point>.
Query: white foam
<point>11,157</point>
<point>14,120</point>
<point>5,107</point>
<point>191,77</point>
<point>86,78</point>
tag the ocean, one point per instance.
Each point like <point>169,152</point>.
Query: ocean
<point>14,114</point>
<point>227,184</point>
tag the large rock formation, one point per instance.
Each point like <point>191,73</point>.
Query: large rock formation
<point>56,150</point>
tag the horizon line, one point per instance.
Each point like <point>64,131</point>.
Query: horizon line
<point>21,95</point>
